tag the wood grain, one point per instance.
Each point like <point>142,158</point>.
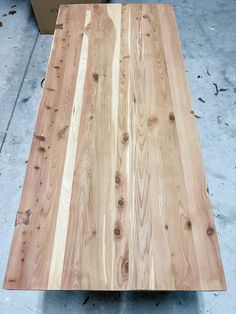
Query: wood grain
<point>115,196</point>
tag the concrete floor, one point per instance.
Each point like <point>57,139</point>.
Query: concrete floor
<point>208,36</point>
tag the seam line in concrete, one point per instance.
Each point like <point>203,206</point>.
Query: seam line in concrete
<point>18,94</point>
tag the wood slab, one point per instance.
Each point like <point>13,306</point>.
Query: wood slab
<point>115,196</point>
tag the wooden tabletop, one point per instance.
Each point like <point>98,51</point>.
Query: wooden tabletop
<point>115,196</point>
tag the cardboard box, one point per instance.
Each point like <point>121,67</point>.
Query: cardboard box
<point>46,12</point>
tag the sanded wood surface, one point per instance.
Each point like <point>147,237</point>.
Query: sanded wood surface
<point>115,196</point>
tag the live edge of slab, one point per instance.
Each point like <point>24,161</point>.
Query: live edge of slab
<point>115,196</point>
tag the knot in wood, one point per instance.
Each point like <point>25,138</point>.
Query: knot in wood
<point>125,267</point>
<point>95,76</point>
<point>171,116</point>
<point>121,202</point>
<point>118,178</point>
<point>42,149</point>
<point>210,231</point>
<point>189,224</point>
<point>117,231</point>
<point>125,138</point>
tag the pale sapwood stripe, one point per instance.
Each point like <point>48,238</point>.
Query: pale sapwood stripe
<point>114,12</point>
<point>56,267</point>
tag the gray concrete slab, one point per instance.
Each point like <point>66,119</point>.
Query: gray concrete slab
<point>207,30</point>
<point>18,35</point>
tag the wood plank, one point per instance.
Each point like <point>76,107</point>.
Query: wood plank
<point>202,222</point>
<point>46,161</point>
<point>115,196</point>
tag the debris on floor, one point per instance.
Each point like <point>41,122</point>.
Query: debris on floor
<point>217,91</point>
<point>223,89</point>
<point>86,300</point>
<point>42,82</point>
<point>229,89</point>
<point>12,12</point>
<point>208,73</point>
<point>200,99</point>
<point>195,115</point>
